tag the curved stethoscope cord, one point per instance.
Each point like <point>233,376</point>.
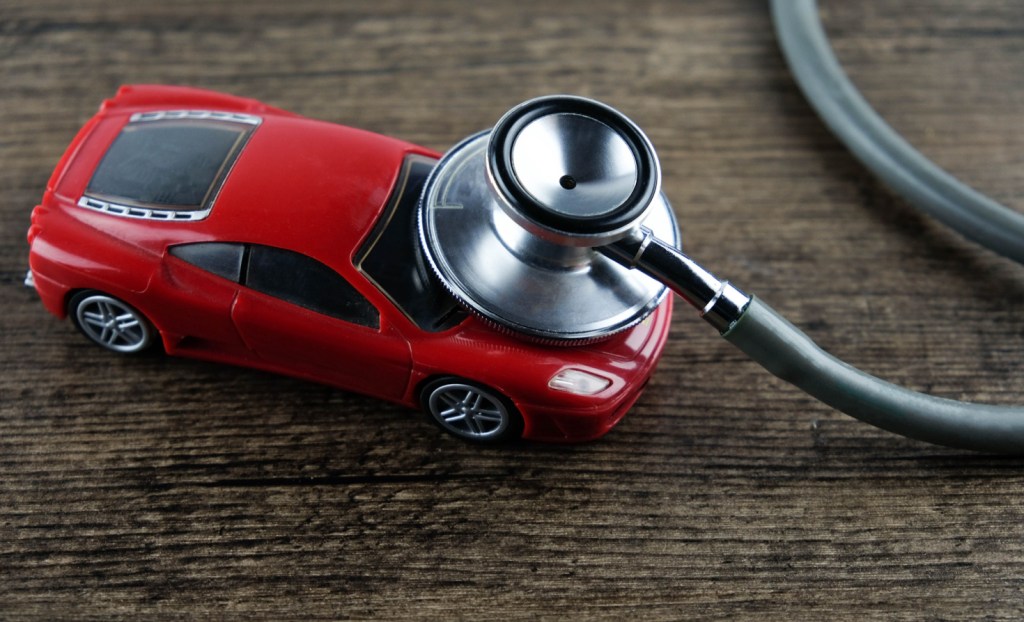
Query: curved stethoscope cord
<point>791,355</point>
<point>787,352</point>
<point>849,116</point>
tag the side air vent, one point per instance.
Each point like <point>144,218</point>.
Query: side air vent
<point>128,211</point>
<point>213,115</point>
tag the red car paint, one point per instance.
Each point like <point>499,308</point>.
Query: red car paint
<point>318,189</point>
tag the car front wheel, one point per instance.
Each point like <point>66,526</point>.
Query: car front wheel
<point>110,322</point>
<point>471,411</point>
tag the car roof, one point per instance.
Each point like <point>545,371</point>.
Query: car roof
<point>306,185</point>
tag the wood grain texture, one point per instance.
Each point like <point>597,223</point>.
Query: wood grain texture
<point>171,488</point>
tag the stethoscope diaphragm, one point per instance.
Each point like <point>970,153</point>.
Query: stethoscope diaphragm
<point>509,218</point>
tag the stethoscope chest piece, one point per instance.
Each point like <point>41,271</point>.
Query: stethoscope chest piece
<point>509,219</point>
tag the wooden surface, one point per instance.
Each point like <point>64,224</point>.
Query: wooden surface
<point>171,487</point>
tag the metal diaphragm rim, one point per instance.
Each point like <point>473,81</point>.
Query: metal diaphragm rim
<point>545,217</point>
<point>514,279</point>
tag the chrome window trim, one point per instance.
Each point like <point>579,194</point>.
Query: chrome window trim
<point>144,213</point>
<point>212,115</point>
<point>156,213</point>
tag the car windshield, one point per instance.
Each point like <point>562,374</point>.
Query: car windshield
<point>393,260</point>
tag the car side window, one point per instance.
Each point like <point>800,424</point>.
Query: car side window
<point>222,259</point>
<point>306,282</point>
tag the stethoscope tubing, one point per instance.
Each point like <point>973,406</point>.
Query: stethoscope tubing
<point>884,152</point>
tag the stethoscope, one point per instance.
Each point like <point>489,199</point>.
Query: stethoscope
<point>552,226</point>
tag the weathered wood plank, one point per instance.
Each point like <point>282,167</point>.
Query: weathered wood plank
<point>133,488</point>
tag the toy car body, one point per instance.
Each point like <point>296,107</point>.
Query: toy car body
<point>228,230</point>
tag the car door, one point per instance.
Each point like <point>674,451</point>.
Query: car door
<point>297,313</point>
<point>196,290</point>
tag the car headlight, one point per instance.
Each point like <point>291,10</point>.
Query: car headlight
<point>579,382</point>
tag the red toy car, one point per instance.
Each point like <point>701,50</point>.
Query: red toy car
<point>228,230</point>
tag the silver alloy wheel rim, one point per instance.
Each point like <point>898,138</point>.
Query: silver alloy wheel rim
<point>468,411</point>
<point>112,324</point>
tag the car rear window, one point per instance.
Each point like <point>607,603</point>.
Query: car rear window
<point>173,164</point>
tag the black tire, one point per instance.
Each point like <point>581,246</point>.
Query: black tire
<point>471,411</point>
<point>111,323</point>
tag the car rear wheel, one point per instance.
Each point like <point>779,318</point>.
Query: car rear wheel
<point>110,323</point>
<point>471,411</point>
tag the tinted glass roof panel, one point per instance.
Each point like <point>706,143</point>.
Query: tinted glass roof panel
<point>175,164</point>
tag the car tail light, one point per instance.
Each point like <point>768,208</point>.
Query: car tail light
<point>578,382</point>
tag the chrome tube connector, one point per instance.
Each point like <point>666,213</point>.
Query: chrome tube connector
<point>718,302</point>
<point>726,307</point>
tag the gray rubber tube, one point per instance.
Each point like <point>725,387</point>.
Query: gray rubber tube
<point>788,353</point>
<point>878,146</point>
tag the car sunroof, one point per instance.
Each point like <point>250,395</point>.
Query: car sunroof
<point>175,164</point>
